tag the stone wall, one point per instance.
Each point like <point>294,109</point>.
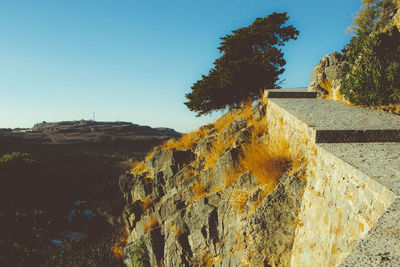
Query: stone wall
<point>340,203</point>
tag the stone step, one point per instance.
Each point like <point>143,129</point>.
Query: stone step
<point>300,92</point>
<point>337,122</point>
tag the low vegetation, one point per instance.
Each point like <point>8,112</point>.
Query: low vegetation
<point>138,255</point>
<point>372,66</point>
<point>234,161</point>
<point>266,157</point>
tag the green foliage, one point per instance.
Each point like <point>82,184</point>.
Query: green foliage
<point>372,66</point>
<point>138,255</point>
<point>16,161</point>
<point>366,18</point>
<point>251,61</point>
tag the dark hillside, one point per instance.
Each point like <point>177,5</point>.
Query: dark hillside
<point>75,174</point>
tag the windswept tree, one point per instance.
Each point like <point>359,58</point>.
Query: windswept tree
<point>251,60</point>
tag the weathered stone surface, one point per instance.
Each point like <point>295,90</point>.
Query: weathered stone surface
<point>225,163</point>
<point>272,226</point>
<point>233,128</point>
<point>168,161</point>
<point>326,77</point>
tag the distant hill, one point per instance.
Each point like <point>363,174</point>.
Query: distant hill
<point>83,131</point>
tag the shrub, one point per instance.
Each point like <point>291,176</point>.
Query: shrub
<point>267,162</point>
<point>371,70</point>
<point>373,79</point>
<point>16,162</point>
<point>139,255</point>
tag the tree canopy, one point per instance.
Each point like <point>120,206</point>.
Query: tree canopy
<point>251,61</point>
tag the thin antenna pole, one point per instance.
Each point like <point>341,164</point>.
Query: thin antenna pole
<point>94,116</point>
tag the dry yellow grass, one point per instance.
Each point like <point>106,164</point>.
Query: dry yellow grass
<point>117,249</point>
<point>187,141</point>
<point>213,154</point>
<point>198,190</point>
<point>147,203</point>
<point>175,231</point>
<point>266,162</point>
<point>139,167</point>
<point>327,85</point>
<point>245,111</point>
<point>188,173</point>
<point>238,199</point>
<point>226,119</point>
<point>232,174</point>
<point>152,222</point>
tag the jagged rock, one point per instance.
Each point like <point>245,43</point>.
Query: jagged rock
<point>142,187</point>
<point>203,221</point>
<point>177,250</point>
<point>169,205</point>
<point>154,245</point>
<point>132,212</point>
<point>242,137</point>
<point>246,181</point>
<point>203,147</point>
<point>272,226</point>
<point>326,77</point>
<point>259,110</point>
<point>233,128</point>
<point>168,161</point>
<point>225,163</point>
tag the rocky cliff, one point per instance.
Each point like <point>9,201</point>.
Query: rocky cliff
<point>225,194</point>
<point>327,75</point>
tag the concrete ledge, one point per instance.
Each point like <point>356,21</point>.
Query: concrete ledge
<point>290,93</point>
<point>336,122</point>
<point>353,136</point>
<point>380,161</point>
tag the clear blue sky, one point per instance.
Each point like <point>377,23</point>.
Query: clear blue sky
<point>134,60</point>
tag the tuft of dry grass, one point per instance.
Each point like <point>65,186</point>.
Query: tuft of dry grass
<point>147,203</point>
<point>213,154</point>
<point>232,174</point>
<point>188,173</point>
<point>238,199</point>
<point>198,190</point>
<point>175,231</point>
<point>327,85</point>
<point>246,111</point>
<point>267,162</point>
<point>187,141</point>
<point>226,119</point>
<point>118,248</point>
<point>152,222</point>
<point>139,167</point>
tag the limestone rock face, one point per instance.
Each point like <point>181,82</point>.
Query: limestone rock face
<point>325,78</point>
<point>179,212</point>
